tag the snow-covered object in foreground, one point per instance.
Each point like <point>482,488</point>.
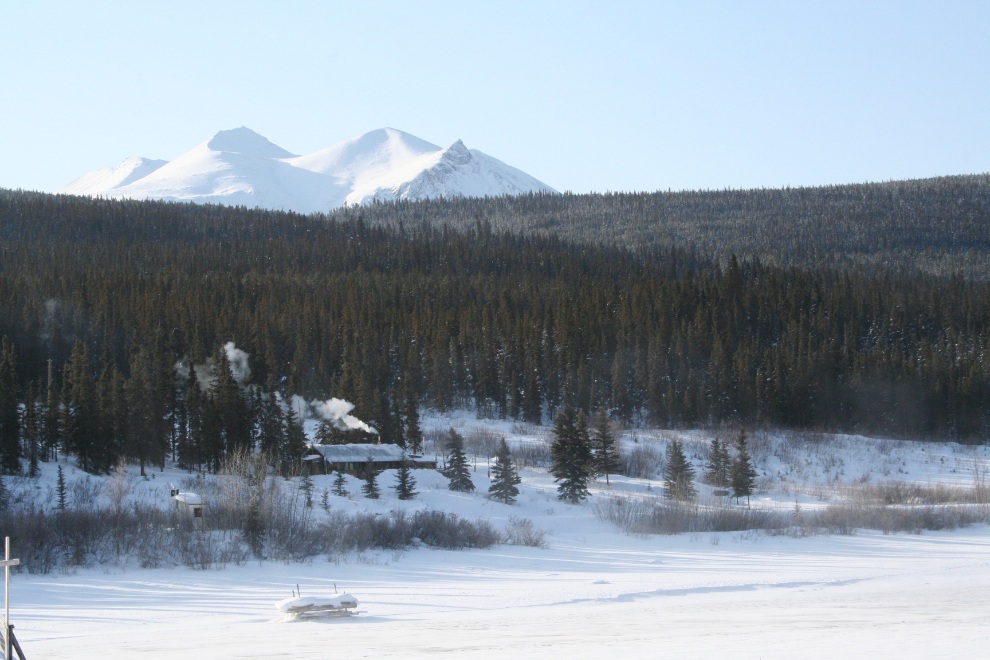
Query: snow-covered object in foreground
<point>336,605</point>
<point>240,167</point>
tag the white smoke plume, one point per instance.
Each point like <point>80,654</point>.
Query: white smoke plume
<point>301,407</point>
<point>337,412</point>
<point>236,358</point>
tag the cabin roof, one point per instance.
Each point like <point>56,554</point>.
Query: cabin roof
<point>359,453</point>
<point>189,498</point>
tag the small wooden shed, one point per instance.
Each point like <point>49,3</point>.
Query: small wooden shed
<point>189,505</point>
<point>353,458</point>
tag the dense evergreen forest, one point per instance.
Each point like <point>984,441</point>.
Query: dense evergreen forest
<point>939,225</point>
<point>392,318</point>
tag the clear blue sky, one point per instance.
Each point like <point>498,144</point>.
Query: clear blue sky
<point>582,95</point>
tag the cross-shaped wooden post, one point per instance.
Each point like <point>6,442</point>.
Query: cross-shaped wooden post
<point>7,563</point>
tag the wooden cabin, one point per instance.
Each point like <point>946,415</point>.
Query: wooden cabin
<point>353,458</point>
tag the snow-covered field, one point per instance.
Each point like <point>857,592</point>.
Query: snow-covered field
<point>592,591</point>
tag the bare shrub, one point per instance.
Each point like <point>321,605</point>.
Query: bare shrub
<point>656,516</point>
<point>900,492</point>
<point>759,444</point>
<point>522,531</point>
<point>531,454</point>
<point>845,517</point>
<point>482,442</point>
<point>643,461</point>
<point>662,516</point>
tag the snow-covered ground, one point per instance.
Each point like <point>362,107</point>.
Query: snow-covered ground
<point>592,591</point>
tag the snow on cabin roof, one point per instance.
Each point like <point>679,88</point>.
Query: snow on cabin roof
<point>359,453</point>
<point>189,498</point>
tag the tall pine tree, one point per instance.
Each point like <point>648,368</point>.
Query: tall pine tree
<point>571,455</point>
<point>504,476</point>
<point>605,447</point>
<point>80,419</point>
<point>717,468</point>
<point>405,484</point>
<point>370,486</point>
<point>678,474</point>
<point>10,423</point>
<point>742,474</point>
<point>457,466</point>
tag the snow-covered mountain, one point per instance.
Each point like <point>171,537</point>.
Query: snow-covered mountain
<point>240,167</point>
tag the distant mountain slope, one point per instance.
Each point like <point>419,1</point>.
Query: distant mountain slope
<point>103,181</point>
<point>240,167</point>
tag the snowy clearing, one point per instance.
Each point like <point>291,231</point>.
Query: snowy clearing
<point>592,590</point>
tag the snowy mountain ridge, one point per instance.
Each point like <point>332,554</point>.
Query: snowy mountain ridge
<point>241,167</point>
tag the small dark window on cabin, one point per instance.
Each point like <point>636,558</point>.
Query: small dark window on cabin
<point>198,512</point>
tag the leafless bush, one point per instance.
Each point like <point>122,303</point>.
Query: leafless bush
<point>395,530</point>
<point>846,517</point>
<point>900,492</point>
<point>522,531</point>
<point>84,492</point>
<point>531,454</point>
<point>643,461</point>
<point>661,516</point>
<point>759,445</point>
<point>434,441</point>
<point>482,442</point>
<point>656,516</point>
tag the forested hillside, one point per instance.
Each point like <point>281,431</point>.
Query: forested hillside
<point>939,225</point>
<point>117,292</point>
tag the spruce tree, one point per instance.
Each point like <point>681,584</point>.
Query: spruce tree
<point>60,489</point>
<point>405,484</point>
<point>108,450</point>
<point>32,425</point>
<point>228,408</point>
<point>10,423</point>
<point>80,415</point>
<point>414,434</point>
<point>4,496</point>
<point>295,440</point>
<point>504,476</point>
<point>271,425</point>
<point>457,464</point>
<point>571,456</point>
<point>51,431</point>
<point>370,487</point>
<point>340,484</point>
<point>605,447</point>
<point>742,474</point>
<point>325,500</point>
<point>307,487</point>
<point>678,474</point>
<point>717,468</point>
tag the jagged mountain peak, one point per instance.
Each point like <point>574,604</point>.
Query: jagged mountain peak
<point>241,167</point>
<point>243,140</point>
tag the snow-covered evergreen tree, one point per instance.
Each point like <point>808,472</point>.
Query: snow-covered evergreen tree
<point>678,474</point>
<point>370,487</point>
<point>717,468</point>
<point>60,489</point>
<point>457,464</point>
<point>504,476</point>
<point>742,473</point>
<point>605,447</point>
<point>571,455</point>
<point>405,484</point>
<point>339,484</point>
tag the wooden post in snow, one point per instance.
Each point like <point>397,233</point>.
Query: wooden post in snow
<point>7,563</point>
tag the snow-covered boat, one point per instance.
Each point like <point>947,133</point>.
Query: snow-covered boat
<point>336,605</point>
